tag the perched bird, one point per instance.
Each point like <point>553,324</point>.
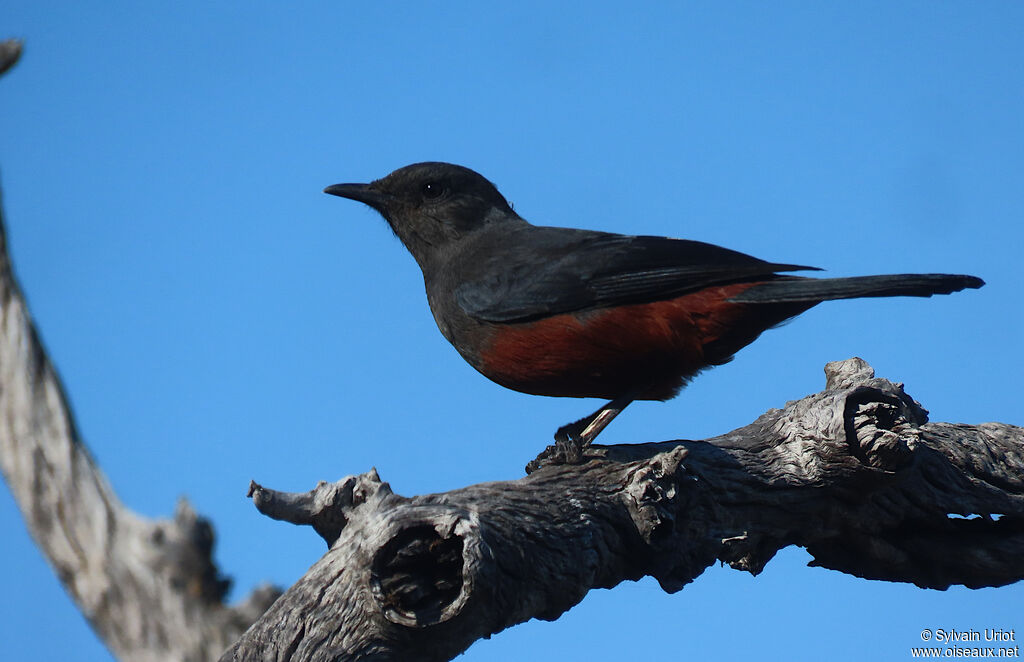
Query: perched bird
<point>578,313</point>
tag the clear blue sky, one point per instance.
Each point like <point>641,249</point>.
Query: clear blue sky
<point>217,318</point>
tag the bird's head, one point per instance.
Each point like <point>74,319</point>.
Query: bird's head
<point>432,206</point>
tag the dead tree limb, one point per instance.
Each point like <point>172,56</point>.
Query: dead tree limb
<point>10,53</point>
<point>855,474</point>
<point>149,588</point>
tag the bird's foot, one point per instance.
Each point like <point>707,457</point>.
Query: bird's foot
<point>567,449</point>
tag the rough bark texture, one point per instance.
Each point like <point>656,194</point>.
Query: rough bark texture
<point>149,588</point>
<point>855,474</point>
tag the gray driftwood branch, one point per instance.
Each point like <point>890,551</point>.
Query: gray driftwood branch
<point>855,474</point>
<point>148,587</point>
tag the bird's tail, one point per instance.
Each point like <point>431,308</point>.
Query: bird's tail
<point>795,290</point>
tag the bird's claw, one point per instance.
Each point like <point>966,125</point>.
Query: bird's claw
<point>567,449</point>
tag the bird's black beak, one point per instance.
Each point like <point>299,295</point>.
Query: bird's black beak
<point>359,192</point>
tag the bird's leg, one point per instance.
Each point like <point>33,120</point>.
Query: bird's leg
<point>584,431</point>
<point>572,439</point>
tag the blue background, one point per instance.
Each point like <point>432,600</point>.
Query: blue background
<point>216,318</point>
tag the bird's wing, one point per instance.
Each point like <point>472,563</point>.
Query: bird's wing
<point>543,271</point>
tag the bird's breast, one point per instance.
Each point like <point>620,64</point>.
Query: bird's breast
<point>649,348</point>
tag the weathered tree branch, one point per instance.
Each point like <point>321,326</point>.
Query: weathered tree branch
<point>149,588</point>
<point>10,53</point>
<point>855,474</point>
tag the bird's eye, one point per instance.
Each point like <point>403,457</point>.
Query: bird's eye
<point>433,190</point>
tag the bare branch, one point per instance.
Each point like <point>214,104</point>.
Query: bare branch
<point>149,588</point>
<point>855,474</point>
<point>10,53</point>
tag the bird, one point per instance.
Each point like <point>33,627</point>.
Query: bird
<point>567,312</point>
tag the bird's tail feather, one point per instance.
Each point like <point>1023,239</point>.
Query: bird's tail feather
<point>793,290</point>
